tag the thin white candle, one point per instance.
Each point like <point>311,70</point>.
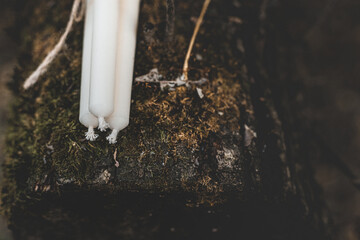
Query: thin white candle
<point>127,27</point>
<point>85,117</point>
<point>103,63</point>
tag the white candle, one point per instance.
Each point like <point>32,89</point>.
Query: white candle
<point>102,83</point>
<point>85,117</point>
<point>127,27</point>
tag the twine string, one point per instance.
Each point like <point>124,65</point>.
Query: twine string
<point>77,14</point>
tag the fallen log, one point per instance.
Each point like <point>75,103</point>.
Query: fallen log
<point>188,166</point>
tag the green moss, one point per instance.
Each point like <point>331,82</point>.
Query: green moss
<point>46,146</point>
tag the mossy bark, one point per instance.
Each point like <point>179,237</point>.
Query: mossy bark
<point>185,166</point>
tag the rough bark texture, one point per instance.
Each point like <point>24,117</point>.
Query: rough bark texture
<point>187,167</point>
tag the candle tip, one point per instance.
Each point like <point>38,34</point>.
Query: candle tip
<point>91,135</point>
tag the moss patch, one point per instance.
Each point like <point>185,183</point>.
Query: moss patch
<point>173,138</point>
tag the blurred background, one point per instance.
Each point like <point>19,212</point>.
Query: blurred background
<point>7,63</point>
<point>318,67</point>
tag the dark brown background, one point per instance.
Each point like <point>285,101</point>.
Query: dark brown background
<point>319,54</point>
<point>7,63</point>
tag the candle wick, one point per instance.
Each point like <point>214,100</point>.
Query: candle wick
<point>103,125</point>
<point>113,136</point>
<point>90,134</point>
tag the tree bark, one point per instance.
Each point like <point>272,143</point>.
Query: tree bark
<point>187,167</point>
